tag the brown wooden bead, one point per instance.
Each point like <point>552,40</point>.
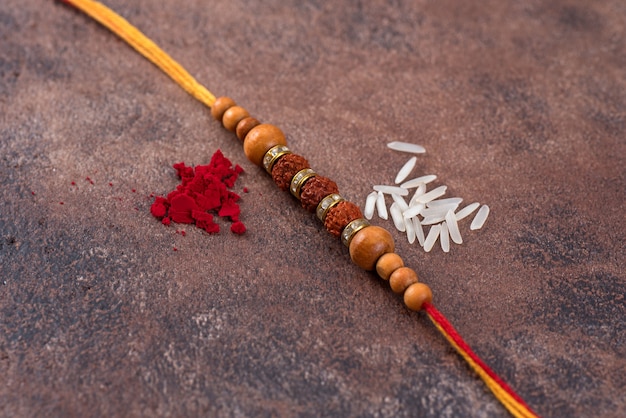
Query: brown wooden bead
<point>341,215</point>
<point>244,126</point>
<point>286,167</point>
<point>233,116</point>
<point>368,245</point>
<point>387,264</point>
<point>221,105</point>
<point>314,190</point>
<point>402,278</point>
<point>416,295</point>
<point>260,139</point>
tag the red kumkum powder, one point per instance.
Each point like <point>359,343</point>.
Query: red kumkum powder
<point>202,190</point>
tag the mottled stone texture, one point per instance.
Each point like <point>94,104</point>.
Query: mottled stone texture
<point>520,105</point>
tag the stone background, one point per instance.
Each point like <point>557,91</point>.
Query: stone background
<point>520,105</point>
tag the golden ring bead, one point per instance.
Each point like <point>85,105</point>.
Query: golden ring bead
<point>326,204</point>
<point>299,179</point>
<point>351,230</point>
<point>273,155</point>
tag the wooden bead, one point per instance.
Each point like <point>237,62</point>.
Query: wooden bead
<point>221,105</point>
<point>368,245</point>
<point>260,139</point>
<point>416,295</point>
<point>244,126</point>
<point>387,264</point>
<point>233,116</point>
<point>402,278</point>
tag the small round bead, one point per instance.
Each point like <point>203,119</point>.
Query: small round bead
<point>260,139</point>
<point>368,245</point>
<point>244,126</point>
<point>286,167</point>
<point>341,215</point>
<point>402,278</point>
<point>315,190</point>
<point>233,116</point>
<point>387,264</point>
<point>416,295</point>
<point>221,105</point>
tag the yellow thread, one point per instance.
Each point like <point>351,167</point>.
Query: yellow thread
<point>120,26</point>
<point>513,406</point>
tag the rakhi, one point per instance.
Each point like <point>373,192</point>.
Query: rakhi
<point>371,247</point>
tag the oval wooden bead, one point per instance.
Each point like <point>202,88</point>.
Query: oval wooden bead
<point>416,295</point>
<point>368,245</point>
<point>260,139</point>
<point>402,278</point>
<point>233,116</point>
<point>387,264</point>
<point>244,126</point>
<point>221,105</point>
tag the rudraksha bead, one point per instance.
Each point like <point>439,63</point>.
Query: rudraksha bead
<point>287,167</point>
<point>315,190</point>
<point>341,215</point>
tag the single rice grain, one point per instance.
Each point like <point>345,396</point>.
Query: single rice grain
<point>413,183</point>
<point>391,190</point>
<point>453,228</point>
<point>432,195</point>
<point>410,230</point>
<point>444,238</point>
<point>431,238</point>
<point>419,231</point>
<point>406,147</point>
<point>466,211</point>
<point>381,206</point>
<point>370,205</point>
<point>406,170</point>
<point>480,218</point>
<point>396,216</point>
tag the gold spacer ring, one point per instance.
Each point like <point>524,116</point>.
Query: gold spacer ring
<point>299,179</point>
<point>272,155</point>
<point>351,229</point>
<point>326,204</point>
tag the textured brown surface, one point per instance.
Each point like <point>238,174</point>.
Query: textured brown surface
<point>520,105</point>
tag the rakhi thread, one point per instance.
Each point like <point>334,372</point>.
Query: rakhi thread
<point>371,247</point>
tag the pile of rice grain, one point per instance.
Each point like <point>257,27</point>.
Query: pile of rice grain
<point>425,208</point>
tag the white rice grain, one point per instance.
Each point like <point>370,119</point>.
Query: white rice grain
<point>432,195</point>
<point>391,190</point>
<point>370,205</point>
<point>406,170</point>
<point>421,189</point>
<point>381,206</point>
<point>438,210</point>
<point>466,211</point>
<point>419,231</point>
<point>410,230</point>
<point>480,218</point>
<point>417,181</point>
<point>400,202</point>
<point>413,211</point>
<point>430,240</point>
<point>396,216</point>
<point>406,147</point>
<point>431,220</point>
<point>453,228</point>
<point>445,202</point>
<point>444,238</point>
